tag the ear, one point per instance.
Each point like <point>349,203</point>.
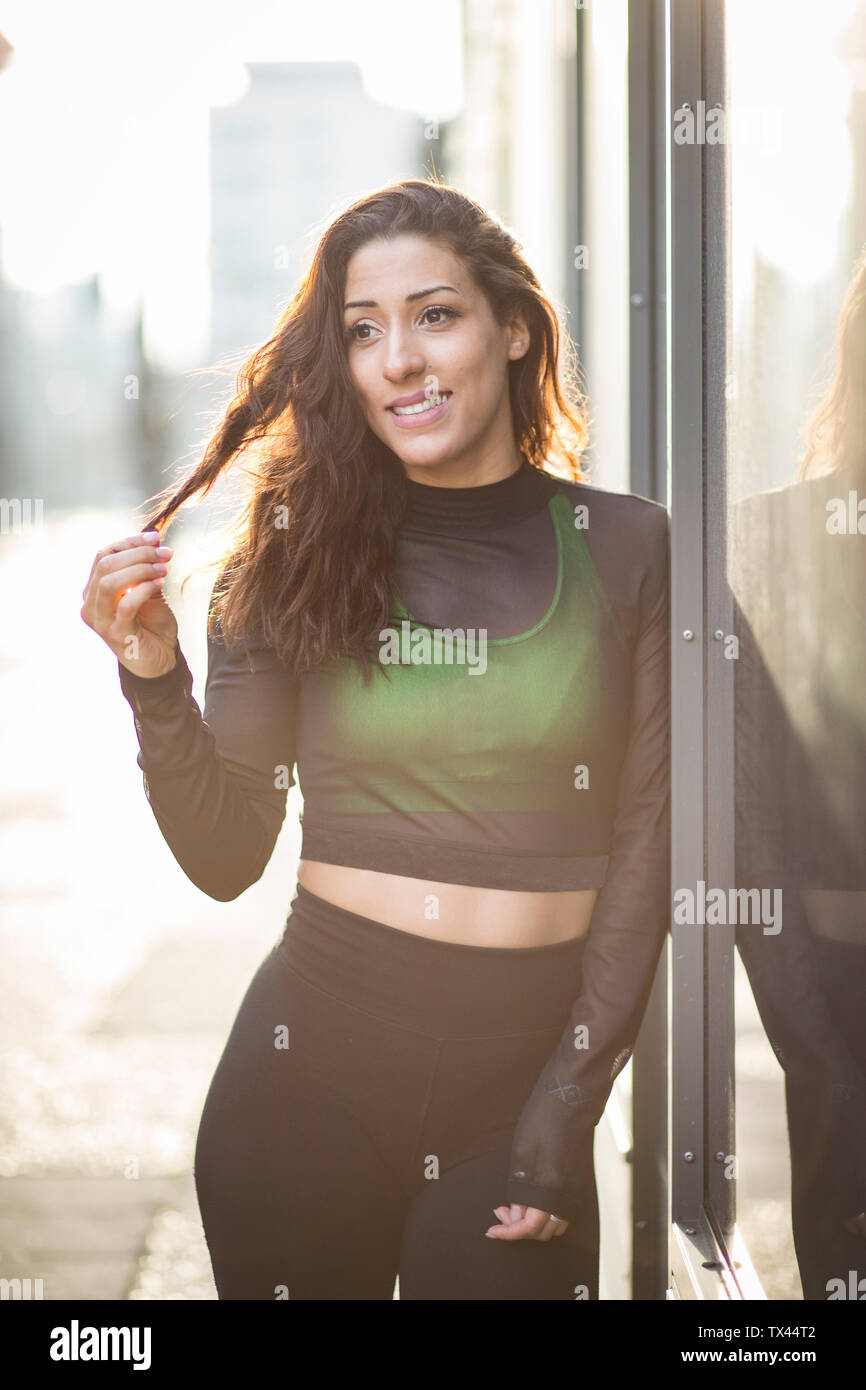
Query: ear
<point>518,338</point>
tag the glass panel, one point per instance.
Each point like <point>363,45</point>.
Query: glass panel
<point>797,565</point>
<point>603,256</point>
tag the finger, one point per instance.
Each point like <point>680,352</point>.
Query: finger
<point>528,1227</point>
<point>134,596</point>
<point>151,538</point>
<point>508,1214</point>
<point>131,601</point>
<point>533,1224</point>
<point>136,554</point>
<point>111,587</point>
<point>115,560</point>
<point>558,1224</point>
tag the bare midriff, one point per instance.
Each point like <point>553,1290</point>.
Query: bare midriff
<point>465,915</point>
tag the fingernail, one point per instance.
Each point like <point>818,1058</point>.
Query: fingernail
<point>515,1213</point>
<point>150,535</point>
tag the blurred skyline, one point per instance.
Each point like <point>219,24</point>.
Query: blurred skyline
<point>195,158</point>
<point>122,188</point>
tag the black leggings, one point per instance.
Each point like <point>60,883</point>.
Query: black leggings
<point>358,1125</point>
<point>819,1145</point>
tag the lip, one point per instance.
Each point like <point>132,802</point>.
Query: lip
<point>426,417</point>
<point>409,400</point>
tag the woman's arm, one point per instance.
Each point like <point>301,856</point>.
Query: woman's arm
<point>217,781</point>
<point>628,926</point>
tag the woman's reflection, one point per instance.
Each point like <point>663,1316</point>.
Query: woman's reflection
<point>798,572</point>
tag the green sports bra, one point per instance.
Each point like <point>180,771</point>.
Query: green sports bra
<point>527,749</point>
<point>475,759</point>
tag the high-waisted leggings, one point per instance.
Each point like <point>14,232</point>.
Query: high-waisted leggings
<point>358,1126</point>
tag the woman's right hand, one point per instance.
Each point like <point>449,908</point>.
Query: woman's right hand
<point>138,625</point>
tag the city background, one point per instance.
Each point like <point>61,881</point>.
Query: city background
<point>165,176</point>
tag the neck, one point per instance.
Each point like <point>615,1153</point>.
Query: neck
<point>444,508</point>
<point>457,474</point>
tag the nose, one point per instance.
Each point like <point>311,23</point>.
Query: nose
<point>403,357</point>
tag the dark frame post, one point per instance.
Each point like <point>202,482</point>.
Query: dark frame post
<point>647,125</point>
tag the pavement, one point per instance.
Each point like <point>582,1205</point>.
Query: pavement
<point>120,979</point>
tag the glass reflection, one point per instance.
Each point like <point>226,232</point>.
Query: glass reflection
<point>798,573</point>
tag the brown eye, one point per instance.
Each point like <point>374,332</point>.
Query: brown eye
<point>441,309</point>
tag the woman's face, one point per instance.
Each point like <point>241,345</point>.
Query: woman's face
<point>419,332</point>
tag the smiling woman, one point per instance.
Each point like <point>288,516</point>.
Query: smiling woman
<point>482,893</point>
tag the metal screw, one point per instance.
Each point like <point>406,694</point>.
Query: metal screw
<point>689,1156</point>
<point>688,635</point>
<point>638,301</point>
<point>718,634</point>
<point>720,1157</point>
<point>689,1230</point>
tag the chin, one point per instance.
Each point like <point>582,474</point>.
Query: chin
<point>424,458</point>
<point>439,461</point>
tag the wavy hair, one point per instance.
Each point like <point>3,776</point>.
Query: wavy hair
<point>835,433</point>
<point>309,561</point>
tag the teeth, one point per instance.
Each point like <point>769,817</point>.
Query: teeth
<point>420,406</point>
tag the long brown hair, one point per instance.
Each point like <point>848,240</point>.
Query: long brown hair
<point>308,568</point>
<point>835,433</point>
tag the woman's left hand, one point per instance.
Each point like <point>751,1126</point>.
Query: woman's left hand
<point>526,1223</point>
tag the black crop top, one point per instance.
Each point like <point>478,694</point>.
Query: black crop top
<point>519,740</point>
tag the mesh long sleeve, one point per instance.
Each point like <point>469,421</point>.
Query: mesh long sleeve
<point>626,933</point>
<point>217,781</point>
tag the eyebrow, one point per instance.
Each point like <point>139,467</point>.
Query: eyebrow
<point>419,294</point>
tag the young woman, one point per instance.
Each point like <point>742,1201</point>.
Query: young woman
<point>466,656</point>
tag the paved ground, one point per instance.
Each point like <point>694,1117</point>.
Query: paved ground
<point>120,979</point>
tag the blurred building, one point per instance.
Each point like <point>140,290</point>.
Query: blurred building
<point>78,401</point>
<point>304,140</point>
